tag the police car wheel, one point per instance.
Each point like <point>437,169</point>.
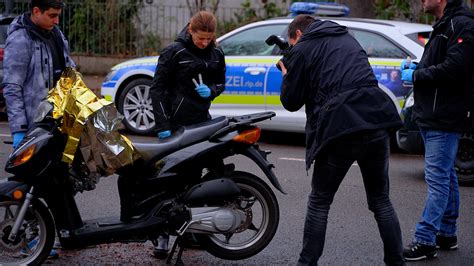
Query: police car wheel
<point>465,160</point>
<point>135,104</point>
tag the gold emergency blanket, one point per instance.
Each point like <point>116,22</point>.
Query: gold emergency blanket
<point>91,121</point>
<point>102,147</point>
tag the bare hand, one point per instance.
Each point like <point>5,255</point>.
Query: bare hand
<point>283,68</point>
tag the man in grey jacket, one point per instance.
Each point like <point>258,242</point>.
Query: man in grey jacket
<point>36,53</point>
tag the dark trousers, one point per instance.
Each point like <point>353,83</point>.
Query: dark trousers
<point>371,150</point>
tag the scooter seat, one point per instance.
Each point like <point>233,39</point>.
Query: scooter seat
<point>183,137</point>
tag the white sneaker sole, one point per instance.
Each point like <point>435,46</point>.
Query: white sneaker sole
<point>450,248</point>
<point>422,257</point>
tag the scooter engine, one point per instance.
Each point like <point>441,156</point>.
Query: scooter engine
<point>215,220</point>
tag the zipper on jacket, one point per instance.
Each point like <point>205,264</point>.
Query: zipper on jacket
<point>44,67</point>
<point>205,62</point>
<point>179,105</point>
<point>434,101</point>
<point>41,59</point>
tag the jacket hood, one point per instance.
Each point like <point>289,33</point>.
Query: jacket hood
<point>24,22</point>
<point>184,36</point>
<point>16,24</point>
<point>320,28</point>
<point>456,8</point>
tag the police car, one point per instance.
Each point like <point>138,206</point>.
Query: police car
<point>409,139</point>
<point>4,22</point>
<point>252,79</point>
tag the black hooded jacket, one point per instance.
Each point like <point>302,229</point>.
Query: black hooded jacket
<point>329,73</point>
<point>175,101</point>
<point>444,78</point>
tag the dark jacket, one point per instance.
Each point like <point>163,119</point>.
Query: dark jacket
<point>329,73</point>
<point>29,69</point>
<point>175,100</point>
<point>444,79</point>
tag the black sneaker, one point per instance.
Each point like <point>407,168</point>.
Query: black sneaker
<point>416,251</point>
<point>446,242</point>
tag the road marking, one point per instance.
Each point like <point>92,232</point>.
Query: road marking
<point>292,159</point>
<point>302,160</point>
<point>5,135</point>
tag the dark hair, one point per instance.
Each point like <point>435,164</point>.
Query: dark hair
<point>203,21</point>
<point>44,5</point>
<point>301,22</point>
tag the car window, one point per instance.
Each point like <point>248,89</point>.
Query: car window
<point>252,41</point>
<point>3,33</point>
<point>420,38</point>
<point>377,45</point>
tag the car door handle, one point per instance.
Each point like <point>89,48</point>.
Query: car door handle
<point>255,70</point>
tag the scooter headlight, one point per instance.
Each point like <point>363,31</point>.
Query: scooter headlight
<point>24,156</point>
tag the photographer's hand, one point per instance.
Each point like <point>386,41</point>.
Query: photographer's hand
<point>283,68</point>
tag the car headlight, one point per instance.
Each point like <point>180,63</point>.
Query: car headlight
<point>410,101</point>
<point>110,75</point>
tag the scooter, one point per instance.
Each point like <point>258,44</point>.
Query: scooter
<point>180,185</point>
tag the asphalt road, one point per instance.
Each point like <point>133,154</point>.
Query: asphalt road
<point>352,235</point>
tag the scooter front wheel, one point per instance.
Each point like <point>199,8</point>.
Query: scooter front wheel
<point>35,237</point>
<point>260,205</point>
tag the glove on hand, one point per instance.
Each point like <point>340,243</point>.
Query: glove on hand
<point>203,90</point>
<point>407,75</point>
<point>405,65</point>
<point>17,138</point>
<point>164,134</point>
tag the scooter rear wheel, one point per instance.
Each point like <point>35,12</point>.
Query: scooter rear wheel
<point>35,238</point>
<point>259,203</point>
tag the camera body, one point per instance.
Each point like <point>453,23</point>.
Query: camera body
<point>279,41</point>
<point>284,46</point>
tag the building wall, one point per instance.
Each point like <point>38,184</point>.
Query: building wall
<point>166,18</point>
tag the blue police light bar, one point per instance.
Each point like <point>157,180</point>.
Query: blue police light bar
<point>321,9</point>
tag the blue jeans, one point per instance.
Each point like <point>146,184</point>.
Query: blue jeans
<point>371,150</point>
<point>442,203</point>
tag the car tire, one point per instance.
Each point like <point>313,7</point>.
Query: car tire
<point>465,160</point>
<point>135,104</point>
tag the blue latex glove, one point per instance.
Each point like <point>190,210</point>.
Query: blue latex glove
<point>404,65</point>
<point>164,134</point>
<point>407,75</point>
<point>17,138</point>
<point>203,91</point>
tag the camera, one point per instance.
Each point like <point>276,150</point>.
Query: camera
<point>284,46</point>
<point>279,41</point>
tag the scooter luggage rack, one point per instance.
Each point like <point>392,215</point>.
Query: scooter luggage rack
<point>252,118</point>
<point>236,121</point>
